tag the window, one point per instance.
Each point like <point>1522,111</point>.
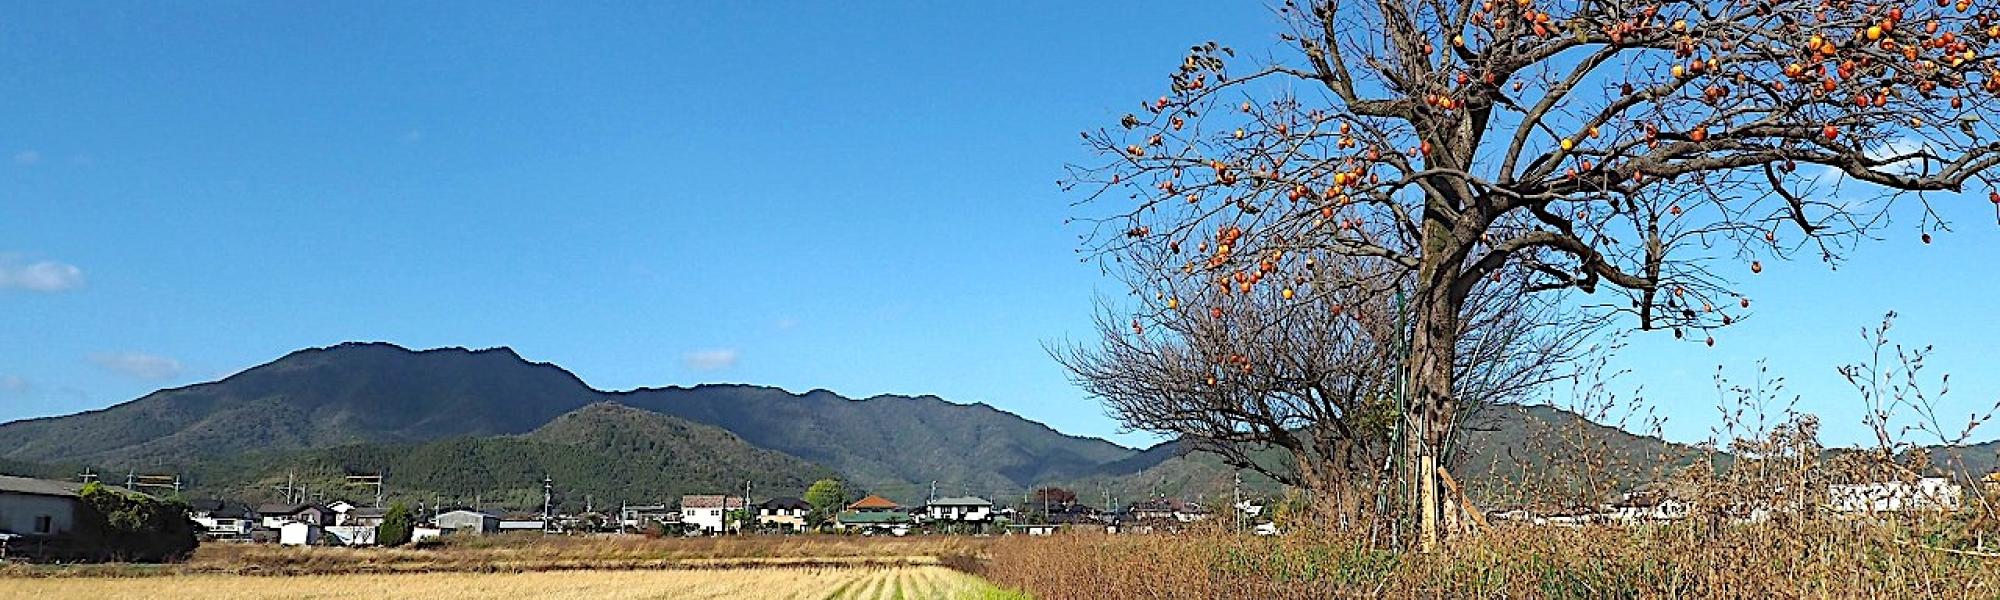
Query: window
<point>43,524</point>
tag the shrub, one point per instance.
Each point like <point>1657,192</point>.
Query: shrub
<point>124,526</point>
<point>396,527</point>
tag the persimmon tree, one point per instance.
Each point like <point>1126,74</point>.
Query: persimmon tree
<point>1641,154</point>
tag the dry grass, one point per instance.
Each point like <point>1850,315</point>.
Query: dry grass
<point>1512,562</point>
<point>859,584</point>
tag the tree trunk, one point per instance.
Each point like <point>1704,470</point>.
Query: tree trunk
<point>1433,352</point>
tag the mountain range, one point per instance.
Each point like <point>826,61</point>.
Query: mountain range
<point>450,425</point>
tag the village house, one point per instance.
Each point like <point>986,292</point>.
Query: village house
<point>1926,494</point>
<point>871,515</point>
<point>300,533</point>
<point>1648,503</point>
<point>275,516</point>
<point>467,522</point>
<point>965,509</point>
<point>639,517</point>
<point>1075,514</point>
<point>366,517</point>
<point>340,508</point>
<point>520,521</point>
<point>1166,509</point>
<point>709,513</point>
<point>37,507</point>
<point>223,520</point>
<point>784,512</point>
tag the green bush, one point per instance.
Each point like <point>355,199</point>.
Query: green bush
<point>124,526</point>
<point>396,527</point>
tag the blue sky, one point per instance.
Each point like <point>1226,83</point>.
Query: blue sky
<point>790,194</point>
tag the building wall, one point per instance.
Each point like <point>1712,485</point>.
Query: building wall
<point>468,523</point>
<point>788,518</point>
<point>19,513</point>
<point>708,519</point>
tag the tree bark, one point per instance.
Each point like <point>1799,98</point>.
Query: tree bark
<point>1433,352</point>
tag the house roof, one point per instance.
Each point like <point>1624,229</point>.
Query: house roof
<point>961,501</point>
<point>1167,505</point>
<point>286,509</point>
<point>469,511</point>
<point>864,518</point>
<point>873,502</point>
<point>214,506</point>
<point>785,503</point>
<point>711,501</point>
<point>39,487</point>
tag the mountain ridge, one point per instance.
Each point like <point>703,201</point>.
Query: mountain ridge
<point>361,393</point>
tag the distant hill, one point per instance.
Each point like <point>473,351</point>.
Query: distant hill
<point>347,394</point>
<point>892,445</point>
<point>607,453</point>
<point>1504,450</point>
<point>366,397</point>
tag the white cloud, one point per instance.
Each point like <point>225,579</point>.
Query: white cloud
<point>138,364</point>
<point>413,136</point>
<point>38,276</point>
<point>14,385</point>
<point>786,324</point>
<point>1898,147</point>
<point>714,359</point>
<point>27,157</point>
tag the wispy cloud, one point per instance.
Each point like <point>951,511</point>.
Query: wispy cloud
<point>786,324</point>
<point>14,385</point>
<point>138,364</point>
<point>713,359</point>
<point>413,136</point>
<point>27,158</point>
<point>17,273</point>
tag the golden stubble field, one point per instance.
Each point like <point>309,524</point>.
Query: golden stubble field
<point>910,583</point>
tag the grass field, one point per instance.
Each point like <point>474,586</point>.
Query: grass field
<point>900,583</point>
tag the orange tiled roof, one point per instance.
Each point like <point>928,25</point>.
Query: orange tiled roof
<point>872,502</point>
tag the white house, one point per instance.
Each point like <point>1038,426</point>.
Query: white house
<point>1929,493</point>
<point>37,507</point>
<point>298,533</point>
<point>966,509</point>
<point>340,510</point>
<point>223,520</point>
<point>784,512</point>
<point>706,513</point>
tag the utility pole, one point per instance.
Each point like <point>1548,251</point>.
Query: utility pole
<point>290,488</point>
<point>87,475</point>
<point>375,480</point>
<point>548,503</point>
<point>742,527</point>
<point>1236,502</point>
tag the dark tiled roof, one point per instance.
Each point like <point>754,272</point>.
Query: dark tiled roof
<point>785,503</point>
<point>287,509</point>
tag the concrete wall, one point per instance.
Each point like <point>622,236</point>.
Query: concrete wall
<point>19,513</point>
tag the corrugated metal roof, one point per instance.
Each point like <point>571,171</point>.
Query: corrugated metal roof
<point>40,487</point>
